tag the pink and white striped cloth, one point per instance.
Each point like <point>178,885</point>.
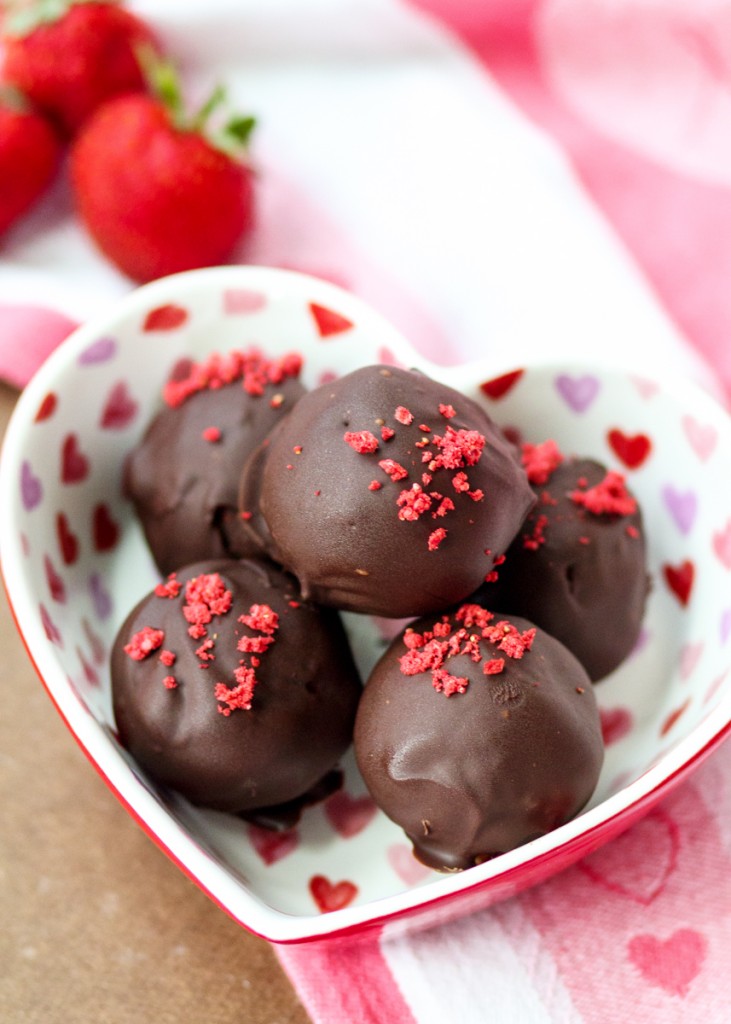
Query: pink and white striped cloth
<point>501,179</point>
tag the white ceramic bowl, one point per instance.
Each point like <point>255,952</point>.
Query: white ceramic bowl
<point>74,562</point>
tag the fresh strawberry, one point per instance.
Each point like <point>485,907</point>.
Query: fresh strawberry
<point>158,190</point>
<point>30,153</point>
<point>70,56</point>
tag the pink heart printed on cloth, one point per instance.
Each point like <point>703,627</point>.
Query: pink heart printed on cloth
<point>658,941</point>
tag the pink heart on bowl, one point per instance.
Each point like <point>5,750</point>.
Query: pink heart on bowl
<point>702,437</point>
<point>349,815</point>
<point>243,300</point>
<point>722,545</point>
<point>404,863</point>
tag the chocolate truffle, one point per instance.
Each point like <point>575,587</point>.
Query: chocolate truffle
<point>229,689</point>
<point>385,492</point>
<point>183,476</point>
<point>476,733</point>
<point>578,566</point>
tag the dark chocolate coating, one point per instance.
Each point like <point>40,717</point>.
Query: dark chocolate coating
<point>185,488</point>
<point>589,594</point>
<point>303,708</point>
<point>314,513</point>
<point>478,773</point>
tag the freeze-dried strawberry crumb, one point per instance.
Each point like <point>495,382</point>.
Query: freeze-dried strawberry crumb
<point>255,644</point>
<point>459,448</point>
<point>361,441</point>
<point>167,658</point>
<point>474,615</point>
<point>205,596</point>
<point>387,433</point>
<point>261,618</point>
<point>444,682</point>
<point>239,697</point>
<point>413,503</point>
<point>448,411</point>
<point>404,416</point>
<point>460,482</point>
<point>211,434</point>
<point>393,470</point>
<point>436,538</point>
<point>609,497</point>
<point>255,371</point>
<point>632,531</point>
<point>431,650</point>
<point>540,461</point>
<point>204,652</point>
<point>532,541</point>
<point>477,495</point>
<point>170,682</point>
<point>445,505</point>
<point>374,486</point>
<point>423,659</point>
<point>412,640</point>
<point>584,540</point>
<point>170,588</point>
<point>499,560</point>
<point>492,577</point>
<point>143,643</point>
<point>509,639</point>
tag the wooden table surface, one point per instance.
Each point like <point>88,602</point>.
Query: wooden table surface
<point>97,926</point>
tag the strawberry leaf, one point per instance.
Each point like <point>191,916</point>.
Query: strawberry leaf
<point>239,129</point>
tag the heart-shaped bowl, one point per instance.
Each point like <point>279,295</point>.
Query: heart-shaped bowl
<point>74,562</point>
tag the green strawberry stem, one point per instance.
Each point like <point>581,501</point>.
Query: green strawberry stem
<point>232,137</point>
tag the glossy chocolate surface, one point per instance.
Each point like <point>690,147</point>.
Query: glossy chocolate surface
<point>302,710</point>
<point>357,521</point>
<point>477,773</point>
<point>581,576</point>
<point>184,486</point>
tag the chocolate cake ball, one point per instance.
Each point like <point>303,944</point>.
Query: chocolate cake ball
<point>477,732</point>
<point>230,689</point>
<point>385,492</point>
<point>183,476</point>
<point>578,565</point>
